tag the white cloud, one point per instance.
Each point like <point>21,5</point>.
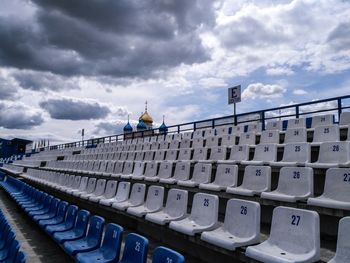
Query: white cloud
<point>259,90</point>
<point>299,92</point>
<point>279,71</point>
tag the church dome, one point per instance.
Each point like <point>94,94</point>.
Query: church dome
<point>146,117</point>
<point>163,127</point>
<point>141,125</point>
<point>127,127</point>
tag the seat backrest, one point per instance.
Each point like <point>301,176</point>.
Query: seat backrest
<point>154,146</point>
<point>71,215</point>
<point>257,178</point>
<point>54,204</point>
<point>274,125</point>
<point>297,152</point>
<point>295,230</point>
<point>334,152</point>
<point>111,188</point>
<point>184,154</point>
<point>91,185</point>
<point>171,155</point>
<point>155,197</point>
<point>164,145</point>
<point>247,138</point>
<point>239,153</point>
<point>271,136</point>
<point>61,210</point>
<point>254,127</point>
<point>344,118</point>
<point>326,133</point>
<point>135,249</point>
<point>21,257</point>
<point>228,140</point>
<point>343,242</point>
<point>295,135</point>
<point>176,204</point>
<point>118,167</point>
<point>185,143</point>
<point>296,123</point>
<point>212,141</point>
<point>165,170</point>
<point>242,218</point>
<point>177,136</point>
<point>139,168</point>
<point>12,252</point>
<point>296,181</point>
<point>82,221</point>
<point>159,155</point>
<point>71,181</point>
<point>163,254</point>
<point>218,153</point>
<point>139,156</point>
<point>205,208</point>
<point>209,132</point>
<point>151,169</point>
<point>321,120</point>
<point>137,195</point>
<point>265,152</point>
<point>100,187</point>
<point>222,130</point>
<point>182,171</point>
<point>200,154</point>
<point>337,184</point>
<point>226,175</point>
<point>94,234</point>
<point>198,142</point>
<point>128,167</point>
<point>112,241</point>
<point>149,156</point>
<point>187,135</point>
<point>198,133</point>
<point>174,144</point>
<point>123,191</point>
<point>201,173</point>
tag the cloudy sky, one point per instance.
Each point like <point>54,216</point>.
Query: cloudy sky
<point>72,64</point>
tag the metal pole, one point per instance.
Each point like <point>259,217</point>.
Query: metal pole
<point>234,112</point>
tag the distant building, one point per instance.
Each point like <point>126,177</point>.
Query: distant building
<point>15,146</point>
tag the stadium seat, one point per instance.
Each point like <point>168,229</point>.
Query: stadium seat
<point>217,154</point>
<point>77,231</point>
<point>264,154</point>
<point>182,172</point>
<point>326,133</point>
<point>254,127</point>
<point>171,155</point>
<point>68,223</point>
<point>332,154</point>
<point>122,194</point>
<point>51,213</point>
<point>135,249</point>
<point>153,203</point>
<point>82,186</point>
<point>344,120</point>
<point>150,172</point>
<point>294,184</point>
<point>228,140</point>
<point>241,226</point>
<point>185,143</point>
<point>296,123</point>
<point>256,179</point>
<point>342,254</point>
<point>336,192</point>
<point>212,141</point>
<point>321,120</point>
<point>89,242</point>
<point>75,186</point>
<point>270,136</point>
<point>222,130</point>
<point>203,217</point>
<point>294,154</point>
<point>136,198</point>
<point>163,254</point>
<point>226,176</point>
<point>90,188</point>
<point>21,257</point>
<point>165,171</point>
<point>110,191</point>
<point>238,153</point>
<point>198,143</point>
<point>201,174</point>
<point>8,254</point>
<point>109,250</point>
<point>118,169</point>
<point>58,218</point>
<point>184,154</point>
<point>295,135</point>
<point>139,168</point>
<point>99,190</point>
<point>175,208</point>
<point>294,237</point>
<point>200,154</point>
<point>274,125</point>
<point>247,138</point>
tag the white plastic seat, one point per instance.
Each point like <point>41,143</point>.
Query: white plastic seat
<point>247,138</point>
<point>222,130</point>
<point>136,198</point>
<point>201,174</point>
<point>171,155</point>
<point>82,186</point>
<point>185,143</point>
<point>256,179</point>
<point>75,186</point>
<point>294,237</point>
<point>216,154</point>
<point>127,169</point>
<point>177,136</point>
<point>293,135</point>
<point>238,129</point>
<point>165,171</point>
<point>203,217</point>
<point>209,132</point>
<point>254,127</point>
<point>274,125</point>
<point>321,120</point>
<point>118,169</point>
<point>336,193</point>
<point>153,139</point>
<point>137,172</point>
<point>197,134</point>
<point>241,226</point>
<point>294,184</point>
<point>200,154</point>
<point>228,140</point>
<point>184,154</point>
<point>150,172</point>
<point>182,172</point>
<point>154,145</point>
<point>238,153</point>
<point>149,156</point>
<point>110,190</point>
<point>212,141</point>
<point>226,176</point>
<point>139,156</point>
<point>294,154</point>
<point>272,136</point>
<point>108,169</point>
<point>159,155</point>
<point>99,190</point>
<point>175,208</point>
<point>326,133</point>
<point>332,154</point>
<point>164,145</point>
<point>344,120</point>
<point>153,203</point>
<point>198,142</point>
<point>121,194</point>
<point>264,154</point>
<point>342,254</point>
<point>168,137</point>
<point>174,144</point>
<point>89,188</point>
<point>296,123</point>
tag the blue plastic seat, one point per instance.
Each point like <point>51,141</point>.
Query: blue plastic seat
<point>135,250</point>
<point>68,223</point>
<point>61,211</point>
<point>49,214</point>
<point>91,241</point>
<point>4,253</point>
<point>35,204</point>
<point>21,257</point>
<point>109,250</point>
<point>77,231</point>
<point>164,255</point>
<point>9,236</point>
<point>13,250</point>
<point>41,209</point>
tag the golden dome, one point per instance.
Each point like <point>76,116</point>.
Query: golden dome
<point>146,117</point>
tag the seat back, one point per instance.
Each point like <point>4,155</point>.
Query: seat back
<point>247,138</point>
<point>265,152</point>
<point>198,142</point>
<point>111,188</point>
<point>174,144</point>
<point>205,208</point>
<point>94,234</point>
<point>321,120</point>
<point>182,171</point>
<point>343,242</point>
<point>297,152</point>
<point>334,152</point>
<point>149,156</point>
<point>112,241</point>
<point>83,183</point>
<point>135,249</point>
<point>295,230</point>
<point>128,166</point>
<point>82,221</point>
<point>184,154</point>
<point>100,187</point>
<point>91,185</point>
<point>326,133</point>
<point>118,167</point>
<point>217,153</point>
<point>271,136</point>
<point>159,155</point>
<point>171,155</point>
<point>176,204</point>
<point>138,168</point>
<point>163,254</point>
<point>123,191</point>
<point>257,178</point>
<point>254,127</point>
<point>54,204</point>
<point>71,181</point>
<point>201,173</point>
<point>137,195</point>
<point>242,218</point>
<point>198,134</point>
<point>296,181</point>
<point>274,125</point>
<point>212,141</point>
<point>296,123</point>
<point>295,135</point>
<point>61,210</point>
<point>21,257</point>
<point>139,156</point>
<point>200,154</point>
<point>177,136</point>
<point>77,180</point>
<point>228,140</point>
<point>165,170</point>
<point>344,118</point>
<point>226,175</point>
<point>337,184</point>
<point>151,169</point>
<point>155,197</point>
<point>185,143</point>
<point>71,215</point>
<point>222,130</point>
<point>164,145</point>
<point>187,135</point>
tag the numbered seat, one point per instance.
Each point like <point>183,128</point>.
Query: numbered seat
<point>326,133</point>
<point>228,140</point>
<point>82,185</point>
<point>294,237</point>
<point>99,190</point>
<point>226,176</point>
<point>198,134</point>
<point>247,138</point>
<point>171,155</point>
<point>332,154</point>
<point>270,136</point>
<point>165,171</point>
<point>139,156</point>
<point>89,189</point>
<point>175,208</point>
<point>181,173</point>
<point>241,226</point>
<point>110,191</point>
<point>137,173</point>
<point>118,169</point>
<point>154,202</point>
<point>342,254</point>
<point>274,125</point>
<point>212,141</point>
<point>151,172</point>
<point>254,127</point>
<point>201,174</point>
<point>58,218</point>
<point>294,184</point>
<point>136,198</point>
<point>295,135</point>
<point>321,120</point>
<point>185,143</point>
<point>264,154</point>
<point>336,192</point>
<point>163,254</point>
<point>222,130</point>
<point>198,142</point>
<point>135,249</point>
<point>200,154</point>
<point>296,123</point>
<point>121,195</point>
<point>67,224</point>
<point>216,154</point>
<point>203,217</point>
<point>127,170</point>
<point>159,155</point>
<point>344,120</point>
<point>174,145</point>
<point>256,179</point>
<point>238,153</point>
<point>294,154</point>
<point>185,154</point>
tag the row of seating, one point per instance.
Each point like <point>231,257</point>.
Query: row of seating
<point>9,245</point>
<point>294,235</point>
<point>79,233</point>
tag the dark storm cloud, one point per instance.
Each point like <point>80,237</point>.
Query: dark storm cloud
<point>18,117</point>
<point>8,88</point>
<point>106,37</point>
<point>339,37</point>
<point>72,109</point>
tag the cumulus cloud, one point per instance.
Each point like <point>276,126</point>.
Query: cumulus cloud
<point>299,92</point>
<point>279,71</point>
<point>18,116</point>
<point>74,109</point>
<point>259,90</point>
